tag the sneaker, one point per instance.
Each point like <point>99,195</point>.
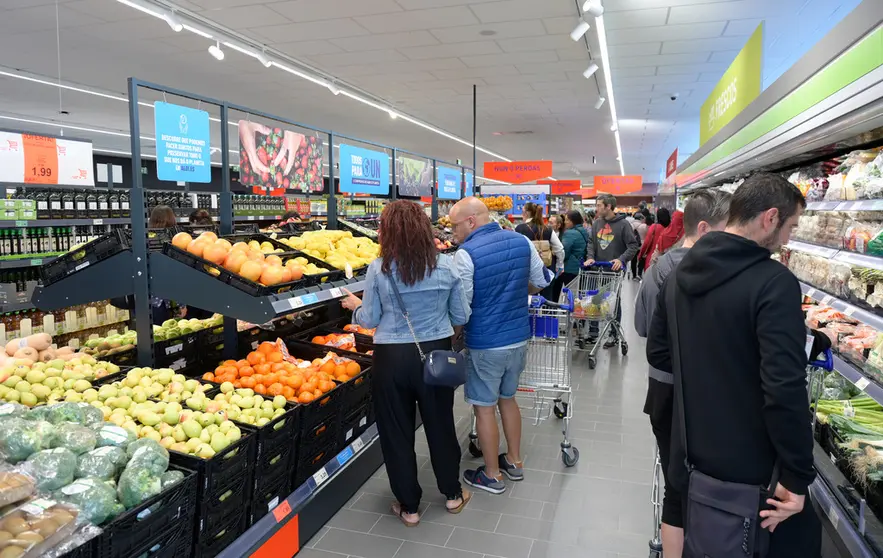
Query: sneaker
<point>511,470</point>
<point>477,478</point>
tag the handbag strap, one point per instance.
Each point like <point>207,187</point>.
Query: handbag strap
<point>675,346</point>
<point>395,289</point>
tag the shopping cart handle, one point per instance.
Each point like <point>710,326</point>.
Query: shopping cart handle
<point>607,265</point>
<point>537,301</point>
<point>827,363</point>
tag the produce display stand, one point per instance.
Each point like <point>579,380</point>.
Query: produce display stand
<point>796,128</point>
<point>122,263</point>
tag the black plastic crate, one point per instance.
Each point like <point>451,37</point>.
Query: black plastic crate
<point>246,228</point>
<point>250,339</point>
<point>318,434</point>
<point>272,464</point>
<point>174,542</point>
<point>170,350</point>
<point>260,238</point>
<point>196,230</point>
<point>311,459</point>
<point>297,228</point>
<point>354,353</point>
<point>233,462</point>
<point>155,521</point>
<point>214,507</point>
<point>333,274</point>
<point>221,534</point>
<point>91,253</point>
<point>354,424</point>
<point>268,496</point>
<point>209,336</point>
<point>232,279</point>
<point>85,550</point>
<point>279,432</point>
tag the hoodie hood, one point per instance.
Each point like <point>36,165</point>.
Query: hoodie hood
<point>615,219</point>
<point>672,233</point>
<point>715,259</point>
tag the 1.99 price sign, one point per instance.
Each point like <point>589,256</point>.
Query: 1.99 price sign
<point>33,159</point>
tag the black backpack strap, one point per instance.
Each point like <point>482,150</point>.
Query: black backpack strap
<point>675,349</point>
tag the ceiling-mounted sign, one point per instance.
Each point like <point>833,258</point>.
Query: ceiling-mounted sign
<point>279,159</point>
<point>363,171</point>
<point>413,177</point>
<point>617,184</point>
<point>469,185</point>
<point>450,183</point>
<point>735,91</point>
<point>517,172</point>
<point>671,165</point>
<point>561,187</point>
<point>33,159</point>
<point>183,143</point>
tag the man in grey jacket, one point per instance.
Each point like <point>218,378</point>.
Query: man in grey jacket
<point>706,211</point>
<point>612,240</point>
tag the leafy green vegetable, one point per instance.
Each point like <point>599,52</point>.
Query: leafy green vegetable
<point>52,468</point>
<point>113,435</point>
<point>74,437</point>
<point>171,477</point>
<point>20,438</point>
<point>103,463</point>
<point>148,454</point>
<point>96,499</point>
<point>137,485</point>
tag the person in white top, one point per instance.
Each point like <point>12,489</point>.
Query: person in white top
<point>535,229</point>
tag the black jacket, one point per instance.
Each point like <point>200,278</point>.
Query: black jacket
<point>743,364</point>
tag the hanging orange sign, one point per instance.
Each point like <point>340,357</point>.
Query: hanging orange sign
<point>561,187</point>
<point>517,172</point>
<point>588,193</point>
<point>619,184</point>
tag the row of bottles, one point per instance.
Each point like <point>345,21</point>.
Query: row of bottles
<point>35,241</point>
<point>250,204</point>
<point>181,202</point>
<point>19,278</point>
<point>64,321</point>
<point>77,204</point>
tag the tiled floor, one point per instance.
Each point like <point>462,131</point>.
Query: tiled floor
<point>597,509</point>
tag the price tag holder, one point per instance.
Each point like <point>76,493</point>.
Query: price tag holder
<point>336,293</point>
<point>358,444</point>
<point>97,221</point>
<point>283,510</point>
<point>21,223</point>
<point>862,383</point>
<point>37,262</point>
<point>320,476</point>
<point>311,298</point>
<point>296,302</point>
<point>833,516</point>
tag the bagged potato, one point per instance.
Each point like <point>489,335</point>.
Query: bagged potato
<point>36,527</point>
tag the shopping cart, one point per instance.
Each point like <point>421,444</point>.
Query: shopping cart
<point>816,372</point>
<point>546,376</point>
<point>597,291</point>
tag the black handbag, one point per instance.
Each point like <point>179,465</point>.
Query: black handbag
<point>440,368</point>
<point>722,519</point>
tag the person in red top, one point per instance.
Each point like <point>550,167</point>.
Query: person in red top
<point>672,234</point>
<point>663,220</point>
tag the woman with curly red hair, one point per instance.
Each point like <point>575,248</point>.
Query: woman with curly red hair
<point>435,302</point>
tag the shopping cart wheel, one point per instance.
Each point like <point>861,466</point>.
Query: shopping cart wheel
<point>474,449</point>
<point>592,363</point>
<point>561,409</point>
<point>624,347</point>
<point>655,554</point>
<point>569,456</point>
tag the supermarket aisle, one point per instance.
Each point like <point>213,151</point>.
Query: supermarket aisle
<point>597,509</point>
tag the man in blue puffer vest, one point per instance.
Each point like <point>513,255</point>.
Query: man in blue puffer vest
<point>499,269</point>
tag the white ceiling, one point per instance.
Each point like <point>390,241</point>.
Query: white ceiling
<point>421,55</point>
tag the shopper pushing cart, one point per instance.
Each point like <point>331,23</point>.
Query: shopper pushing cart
<point>596,308</point>
<point>546,379</point>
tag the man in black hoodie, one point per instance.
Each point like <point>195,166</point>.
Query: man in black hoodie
<point>743,361</point>
<point>706,211</point>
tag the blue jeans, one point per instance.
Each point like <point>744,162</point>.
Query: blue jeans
<point>493,374</point>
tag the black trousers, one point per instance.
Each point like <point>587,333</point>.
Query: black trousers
<point>559,283</point>
<point>398,391</point>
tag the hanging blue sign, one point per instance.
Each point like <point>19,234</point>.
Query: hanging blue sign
<point>363,171</point>
<point>183,150</point>
<point>449,183</point>
<point>470,185</point>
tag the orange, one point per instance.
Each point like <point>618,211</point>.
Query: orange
<point>246,371</point>
<point>267,347</point>
<point>229,363</point>
<point>208,376</point>
<point>262,368</point>
<point>319,340</point>
<point>256,357</point>
<point>277,367</point>
<point>325,386</point>
<point>295,381</point>
<point>260,389</point>
<point>241,363</point>
<point>258,378</point>
<point>288,393</point>
<point>274,357</point>
<point>343,378</point>
<point>306,397</point>
<point>340,369</point>
<point>317,362</point>
<point>328,367</point>
<point>247,382</point>
<point>353,369</point>
<point>275,389</point>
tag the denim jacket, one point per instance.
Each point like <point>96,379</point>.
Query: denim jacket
<point>435,305</point>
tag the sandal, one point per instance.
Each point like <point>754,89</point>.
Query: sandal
<point>397,511</point>
<point>465,496</point>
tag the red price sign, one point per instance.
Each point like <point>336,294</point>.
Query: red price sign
<point>41,159</point>
<point>281,511</point>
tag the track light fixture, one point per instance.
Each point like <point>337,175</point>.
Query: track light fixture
<point>174,22</point>
<point>590,71</point>
<point>334,89</point>
<point>580,30</point>
<point>216,52</point>
<point>614,127</point>
<point>600,102</point>
<point>594,8</point>
<point>393,114</point>
<point>264,59</point>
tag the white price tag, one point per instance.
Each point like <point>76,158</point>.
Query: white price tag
<point>255,345</point>
<point>357,445</point>
<point>849,310</point>
<point>273,503</point>
<point>97,221</point>
<point>336,293</point>
<point>297,302</point>
<point>320,477</point>
<point>833,517</point>
<point>862,383</point>
<point>810,292</point>
<point>833,459</point>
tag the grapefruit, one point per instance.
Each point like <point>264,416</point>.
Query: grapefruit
<point>182,240</point>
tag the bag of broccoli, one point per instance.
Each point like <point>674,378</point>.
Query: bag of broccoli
<point>113,435</point>
<point>92,416</point>
<point>102,463</point>
<point>148,454</point>
<point>52,468</point>
<point>169,478</point>
<point>20,438</point>
<point>9,410</point>
<point>136,485</point>
<point>74,437</point>
<point>96,499</point>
